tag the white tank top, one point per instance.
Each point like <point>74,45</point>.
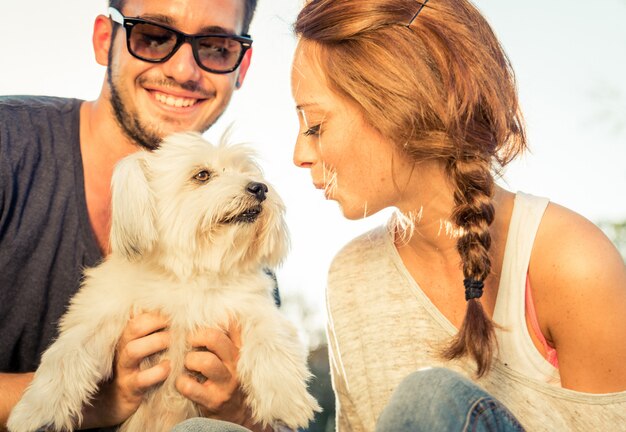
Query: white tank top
<point>516,348</point>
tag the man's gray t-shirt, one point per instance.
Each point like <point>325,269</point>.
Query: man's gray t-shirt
<point>46,238</point>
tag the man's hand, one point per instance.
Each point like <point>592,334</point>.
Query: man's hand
<point>144,335</point>
<point>215,357</point>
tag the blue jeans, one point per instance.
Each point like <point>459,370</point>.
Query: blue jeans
<point>207,425</point>
<point>431,400</point>
<point>439,399</point>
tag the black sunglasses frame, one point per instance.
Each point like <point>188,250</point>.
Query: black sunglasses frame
<point>129,23</point>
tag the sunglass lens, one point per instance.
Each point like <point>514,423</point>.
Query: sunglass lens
<point>152,42</point>
<point>219,53</point>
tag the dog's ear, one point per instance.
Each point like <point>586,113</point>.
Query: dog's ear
<point>275,238</point>
<point>133,230</point>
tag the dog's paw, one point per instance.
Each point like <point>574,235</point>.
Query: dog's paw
<point>23,419</point>
<point>34,412</point>
<point>283,400</point>
<point>299,413</point>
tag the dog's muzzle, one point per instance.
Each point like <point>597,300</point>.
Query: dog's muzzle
<point>258,191</point>
<point>249,215</point>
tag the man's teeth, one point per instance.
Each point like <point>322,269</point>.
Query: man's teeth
<point>174,101</point>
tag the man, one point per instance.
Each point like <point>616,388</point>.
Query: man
<point>56,161</point>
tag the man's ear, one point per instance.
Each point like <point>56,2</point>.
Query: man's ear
<point>101,39</point>
<point>243,68</point>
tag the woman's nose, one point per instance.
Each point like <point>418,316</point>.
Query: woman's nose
<point>304,152</point>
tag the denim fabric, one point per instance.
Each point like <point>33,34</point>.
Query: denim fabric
<point>207,425</point>
<point>439,399</point>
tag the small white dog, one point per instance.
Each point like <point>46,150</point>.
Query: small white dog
<point>193,227</point>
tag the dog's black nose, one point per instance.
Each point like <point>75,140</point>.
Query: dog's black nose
<point>258,190</point>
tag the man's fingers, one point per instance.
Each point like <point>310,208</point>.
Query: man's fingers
<point>143,324</point>
<point>191,389</point>
<point>234,333</point>
<point>151,376</point>
<point>134,351</point>
<point>209,365</point>
<point>217,342</point>
<point>211,397</point>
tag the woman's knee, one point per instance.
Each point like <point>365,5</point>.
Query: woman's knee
<point>432,376</point>
<point>437,385</point>
<point>207,425</point>
<point>431,399</point>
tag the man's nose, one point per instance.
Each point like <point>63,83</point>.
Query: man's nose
<point>182,66</point>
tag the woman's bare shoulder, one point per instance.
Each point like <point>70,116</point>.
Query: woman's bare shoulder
<point>569,249</point>
<point>578,280</point>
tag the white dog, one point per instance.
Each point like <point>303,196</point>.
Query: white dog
<point>193,227</point>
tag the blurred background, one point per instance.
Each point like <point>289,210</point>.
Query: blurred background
<point>570,61</point>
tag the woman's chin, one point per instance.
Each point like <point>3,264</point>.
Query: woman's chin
<point>354,212</point>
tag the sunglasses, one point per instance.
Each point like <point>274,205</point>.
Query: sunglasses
<point>157,43</point>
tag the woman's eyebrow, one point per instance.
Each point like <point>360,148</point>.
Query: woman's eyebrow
<point>306,105</point>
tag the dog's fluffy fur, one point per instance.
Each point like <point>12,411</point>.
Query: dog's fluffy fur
<point>193,227</point>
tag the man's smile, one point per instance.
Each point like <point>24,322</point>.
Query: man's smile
<point>174,101</point>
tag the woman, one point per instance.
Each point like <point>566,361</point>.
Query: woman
<point>413,105</point>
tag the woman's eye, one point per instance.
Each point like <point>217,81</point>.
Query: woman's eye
<point>202,176</point>
<point>312,131</point>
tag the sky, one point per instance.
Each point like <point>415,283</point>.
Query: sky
<point>570,63</point>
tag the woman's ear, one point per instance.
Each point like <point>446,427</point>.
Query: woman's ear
<point>101,39</point>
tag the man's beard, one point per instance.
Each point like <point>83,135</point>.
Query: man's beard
<point>129,122</point>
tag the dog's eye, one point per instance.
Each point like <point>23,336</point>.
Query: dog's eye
<point>203,176</point>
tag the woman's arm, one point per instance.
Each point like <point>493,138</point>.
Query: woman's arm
<point>579,284</point>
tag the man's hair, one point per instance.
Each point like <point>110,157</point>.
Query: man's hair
<point>248,13</point>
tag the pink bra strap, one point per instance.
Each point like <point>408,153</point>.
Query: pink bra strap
<point>531,314</point>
